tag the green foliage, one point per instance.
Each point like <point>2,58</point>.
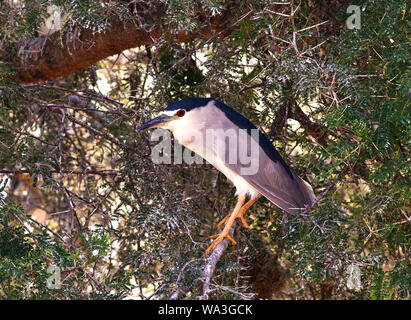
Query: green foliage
<point>119,225</point>
<point>27,250</point>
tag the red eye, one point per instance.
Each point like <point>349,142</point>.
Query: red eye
<point>181,112</point>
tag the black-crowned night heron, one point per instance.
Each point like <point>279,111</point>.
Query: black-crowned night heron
<point>234,146</point>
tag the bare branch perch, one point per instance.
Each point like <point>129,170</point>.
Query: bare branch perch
<point>211,263</point>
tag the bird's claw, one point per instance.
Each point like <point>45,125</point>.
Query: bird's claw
<point>218,238</point>
<point>245,224</point>
<point>241,217</point>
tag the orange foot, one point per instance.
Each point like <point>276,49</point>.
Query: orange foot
<point>218,238</point>
<point>238,212</point>
<point>229,220</point>
<point>240,216</point>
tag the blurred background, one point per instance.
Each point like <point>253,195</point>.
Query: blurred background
<point>327,81</point>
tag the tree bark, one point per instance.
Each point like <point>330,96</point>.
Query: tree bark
<point>61,53</point>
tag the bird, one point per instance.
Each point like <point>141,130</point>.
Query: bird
<point>219,134</point>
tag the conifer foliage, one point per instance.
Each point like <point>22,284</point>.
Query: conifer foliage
<point>86,214</point>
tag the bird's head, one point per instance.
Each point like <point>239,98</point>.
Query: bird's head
<point>177,115</point>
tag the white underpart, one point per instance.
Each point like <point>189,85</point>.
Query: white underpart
<point>191,128</point>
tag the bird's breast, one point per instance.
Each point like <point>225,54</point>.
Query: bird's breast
<point>208,146</point>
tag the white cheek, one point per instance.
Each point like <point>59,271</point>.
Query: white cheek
<point>177,124</point>
<point>172,125</point>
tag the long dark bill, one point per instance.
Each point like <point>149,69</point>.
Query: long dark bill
<point>155,122</point>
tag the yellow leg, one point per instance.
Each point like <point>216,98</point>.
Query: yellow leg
<point>244,208</point>
<point>224,220</point>
<point>229,222</point>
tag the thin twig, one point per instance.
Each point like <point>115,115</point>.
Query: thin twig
<point>313,26</point>
<point>176,294</point>
<point>85,172</point>
<point>242,296</point>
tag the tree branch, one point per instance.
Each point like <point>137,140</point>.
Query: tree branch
<point>211,263</point>
<point>62,53</point>
<point>319,132</point>
<point>86,172</point>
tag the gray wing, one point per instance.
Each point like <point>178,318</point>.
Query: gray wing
<point>281,186</point>
<point>277,182</point>
<point>273,178</point>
